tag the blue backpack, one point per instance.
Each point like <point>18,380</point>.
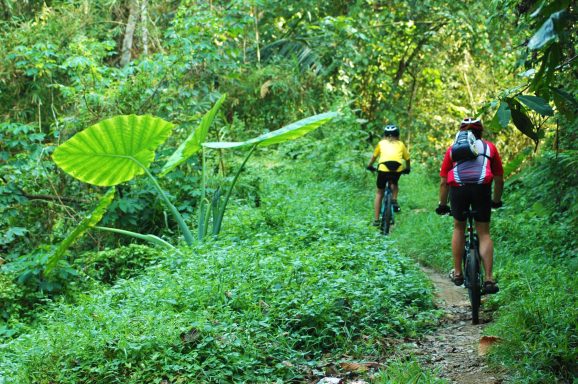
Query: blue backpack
<point>464,147</point>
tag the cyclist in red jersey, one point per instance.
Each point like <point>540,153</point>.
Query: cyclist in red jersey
<point>469,184</point>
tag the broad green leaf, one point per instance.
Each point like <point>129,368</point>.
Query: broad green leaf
<point>113,150</point>
<point>537,104</point>
<point>289,132</point>
<point>547,32</point>
<point>503,114</point>
<point>87,223</point>
<point>193,143</point>
<point>522,121</point>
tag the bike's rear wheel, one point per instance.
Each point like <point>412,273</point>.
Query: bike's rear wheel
<point>387,214</point>
<point>473,282</point>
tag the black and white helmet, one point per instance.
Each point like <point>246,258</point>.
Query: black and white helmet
<point>391,130</point>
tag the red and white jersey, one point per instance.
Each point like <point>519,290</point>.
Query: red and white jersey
<point>480,170</point>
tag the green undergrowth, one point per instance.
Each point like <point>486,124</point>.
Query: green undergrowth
<point>25,290</point>
<point>407,371</point>
<point>292,285</point>
<point>535,313</point>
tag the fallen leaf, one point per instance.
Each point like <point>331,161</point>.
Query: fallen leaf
<point>353,367</point>
<point>359,367</point>
<point>486,342</point>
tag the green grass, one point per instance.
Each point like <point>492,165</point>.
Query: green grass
<point>420,232</point>
<point>296,283</point>
<point>407,372</point>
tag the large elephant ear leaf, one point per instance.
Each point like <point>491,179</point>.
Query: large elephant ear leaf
<point>289,132</point>
<point>193,143</point>
<point>87,223</point>
<point>295,130</point>
<point>114,150</point>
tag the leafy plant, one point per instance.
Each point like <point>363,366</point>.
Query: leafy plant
<point>544,57</point>
<point>287,133</point>
<point>108,153</point>
<point>406,371</point>
<point>120,148</point>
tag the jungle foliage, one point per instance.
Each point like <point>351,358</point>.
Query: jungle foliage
<point>66,66</point>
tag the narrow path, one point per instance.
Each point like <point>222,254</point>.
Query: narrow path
<point>454,350</point>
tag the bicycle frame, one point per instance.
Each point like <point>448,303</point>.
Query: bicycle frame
<point>387,211</point>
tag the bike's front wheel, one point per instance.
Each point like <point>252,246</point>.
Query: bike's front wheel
<point>387,214</point>
<point>473,282</point>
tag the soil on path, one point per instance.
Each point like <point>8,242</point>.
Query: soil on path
<point>454,350</point>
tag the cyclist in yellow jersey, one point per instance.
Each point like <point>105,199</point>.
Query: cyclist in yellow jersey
<point>389,150</point>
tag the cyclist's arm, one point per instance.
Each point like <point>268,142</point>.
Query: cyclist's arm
<point>498,171</point>
<point>372,160</point>
<point>444,191</point>
<point>447,165</point>
<point>498,188</point>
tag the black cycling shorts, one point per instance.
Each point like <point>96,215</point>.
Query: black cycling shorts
<point>477,197</point>
<point>383,177</point>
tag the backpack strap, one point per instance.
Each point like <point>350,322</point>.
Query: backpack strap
<point>485,154</point>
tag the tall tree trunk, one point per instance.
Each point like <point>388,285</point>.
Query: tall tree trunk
<point>255,13</point>
<point>129,33</point>
<point>144,20</point>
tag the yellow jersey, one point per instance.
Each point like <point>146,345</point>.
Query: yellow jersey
<point>391,150</point>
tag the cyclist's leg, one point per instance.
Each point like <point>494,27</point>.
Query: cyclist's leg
<point>486,248</point>
<point>460,202</point>
<point>482,205</point>
<point>394,190</point>
<point>380,183</point>
<point>393,178</point>
<point>377,202</point>
<point>458,245</point>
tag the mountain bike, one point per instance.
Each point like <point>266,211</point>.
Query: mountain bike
<point>387,210</point>
<point>473,274</point>
<point>387,215</point>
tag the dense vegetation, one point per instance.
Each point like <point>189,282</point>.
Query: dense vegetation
<point>296,279</point>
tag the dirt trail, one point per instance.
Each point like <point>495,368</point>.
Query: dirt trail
<point>454,349</point>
